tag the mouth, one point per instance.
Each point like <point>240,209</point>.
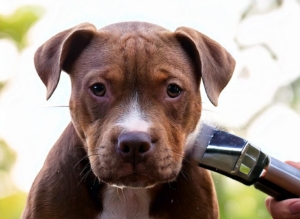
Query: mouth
<point>135,180</point>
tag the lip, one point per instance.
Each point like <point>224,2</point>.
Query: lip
<point>135,180</point>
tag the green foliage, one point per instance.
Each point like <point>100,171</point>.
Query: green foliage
<point>290,95</point>
<point>253,9</point>
<point>238,201</point>
<point>12,206</point>
<point>2,84</point>
<point>7,156</point>
<point>16,25</point>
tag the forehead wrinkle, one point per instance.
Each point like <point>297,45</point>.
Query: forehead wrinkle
<point>137,52</point>
<point>128,49</point>
<point>165,74</point>
<point>109,74</point>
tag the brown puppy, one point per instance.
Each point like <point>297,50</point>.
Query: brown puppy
<point>135,107</point>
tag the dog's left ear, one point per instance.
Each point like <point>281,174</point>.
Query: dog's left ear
<point>215,64</point>
<point>59,53</point>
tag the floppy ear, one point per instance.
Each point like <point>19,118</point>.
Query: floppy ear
<point>213,62</point>
<point>59,53</point>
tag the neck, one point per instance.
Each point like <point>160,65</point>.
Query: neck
<point>125,203</point>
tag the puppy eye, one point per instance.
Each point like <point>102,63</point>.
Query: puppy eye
<point>98,89</point>
<point>173,90</point>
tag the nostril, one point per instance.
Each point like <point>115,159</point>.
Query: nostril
<point>144,148</point>
<point>132,144</point>
<point>124,148</point>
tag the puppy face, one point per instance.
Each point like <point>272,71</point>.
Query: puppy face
<point>135,86</point>
<point>135,98</point>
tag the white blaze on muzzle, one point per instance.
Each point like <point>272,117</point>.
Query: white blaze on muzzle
<point>134,119</point>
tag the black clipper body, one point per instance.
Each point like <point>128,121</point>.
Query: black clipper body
<point>238,159</point>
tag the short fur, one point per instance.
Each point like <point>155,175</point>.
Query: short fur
<point>89,172</point>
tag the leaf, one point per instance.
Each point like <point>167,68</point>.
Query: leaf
<point>7,156</point>
<point>2,84</point>
<point>254,9</point>
<point>289,94</point>
<point>12,206</point>
<point>16,25</point>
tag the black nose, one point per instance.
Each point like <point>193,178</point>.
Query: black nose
<point>133,146</point>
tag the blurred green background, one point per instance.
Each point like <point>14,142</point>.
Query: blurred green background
<point>236,201</point>
<point>13,27</point>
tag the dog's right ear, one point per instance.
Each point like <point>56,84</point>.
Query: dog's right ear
<point>215,64</point>
<point>59,53</point>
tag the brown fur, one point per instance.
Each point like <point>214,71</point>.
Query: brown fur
<point>130,59</point>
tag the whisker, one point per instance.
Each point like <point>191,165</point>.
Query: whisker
<point>55,106</point>
<point>88,168</point>
<point>97,148</point>
<point>85,168</point>
<point>210,110</point>
<point>88,164</point>
<point>123,193</point>
<point>95,180</point>
<point>85,157</point>
<point>118,193</point>
<point>85,176</point>
<point>171,186</point>
<point>183,174</point>
<point>88,172</point>
<point>186,159</point>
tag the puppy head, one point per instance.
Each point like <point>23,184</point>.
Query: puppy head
<point>135,94</point>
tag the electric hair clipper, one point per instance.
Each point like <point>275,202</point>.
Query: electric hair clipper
<point>240,160</point>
